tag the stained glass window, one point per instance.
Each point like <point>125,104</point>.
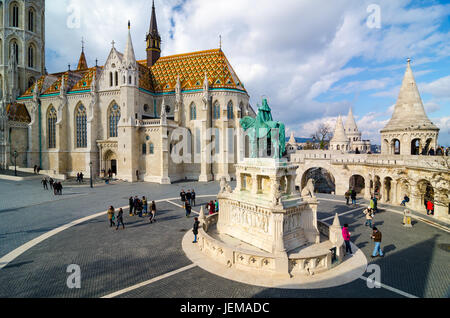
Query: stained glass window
<point>51,127</point>
<point>193,112</point>
<point>81,126</point>
<point>217,110</point>
<point>230,110</point>
<point>114,117</point>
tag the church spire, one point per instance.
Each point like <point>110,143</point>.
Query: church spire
<point>153,40</point>
<point>82,64</point>
<point>129,56</point>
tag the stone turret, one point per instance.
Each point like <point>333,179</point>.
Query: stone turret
<point>340,140</point>
<point>409,131</point>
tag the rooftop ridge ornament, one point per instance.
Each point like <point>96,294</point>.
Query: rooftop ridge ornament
<point>264,128</point>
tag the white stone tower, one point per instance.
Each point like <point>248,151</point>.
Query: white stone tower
<point>409,131</point>
<point>340,140</point>
<point>22,46</point>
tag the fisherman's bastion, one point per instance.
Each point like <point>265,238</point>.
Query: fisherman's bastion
<point>399,170</point>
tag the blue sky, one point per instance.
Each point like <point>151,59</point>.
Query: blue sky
<point>312,59</point>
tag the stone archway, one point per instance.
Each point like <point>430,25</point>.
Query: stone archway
<point>395,146</point>
<point>324,181</point>
<point>388,190</point>
<point>357,183</point>
<point>415,146</point>
<point>426,193</point>
<point>403,188</point>
<point>110,162</point>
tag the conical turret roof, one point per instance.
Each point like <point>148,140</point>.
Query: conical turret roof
<point>339,132</point>
<point>128,55</point>
<point>409,111</point>
<point>82,64</point>
<point>350,123</point>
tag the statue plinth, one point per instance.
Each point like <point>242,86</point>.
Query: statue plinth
<point>265,210</point>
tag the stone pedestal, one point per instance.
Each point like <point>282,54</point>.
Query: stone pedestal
<point>266,211</point>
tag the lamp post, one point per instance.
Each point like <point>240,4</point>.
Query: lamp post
<point>314,142</point>
<point>15,155</point>
<point>90,170</point>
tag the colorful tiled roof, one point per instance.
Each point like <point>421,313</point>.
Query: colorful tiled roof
<point>161,77</point>
<point>191,68</point>
<point>18,112</point>
<point>82,64</point>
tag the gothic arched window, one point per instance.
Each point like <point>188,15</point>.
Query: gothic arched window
<point>31,56</point>
<point>230,113</point>
<point>31,20</point>
<point>152,149</point>
<point>81,126</point>
<point>14,22</point>
<point>14,51</point>
<point>110,79</point>
<point>51,127</point>
<point>216,110</point>
<point>114,117</point>
<point>193,112</point>
<point>117,78</point>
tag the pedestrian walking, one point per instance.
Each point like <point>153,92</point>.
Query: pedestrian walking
<point>153,212</point>
<point>51,181</point>
<point>353,196</point>
<point>347,197</point>
<point>371,203</point>
<point>193,197</point>
<point>211,207</point>
<point>135,205</point>
<point>44,183</point>
<point>376,236</point>
<point>216,206</point>
<point>430,208</point>
<point>139,208</point>
<point>78,177</point>
<point>195,229</point>
<point>188,196</point>
<point>120,219</point>
<point>81,177</point>
<point>188,208</point>
<point>375,204</point>
<point>405,200</point>
<point>145,205</point>
<point>182,196</point>
<point>346,236</point>
<point>131,204</point>
<point>369,217</point>
<point>111,216</point>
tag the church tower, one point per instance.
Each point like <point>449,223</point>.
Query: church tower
<point>22,46</point>
<point>153,40</point>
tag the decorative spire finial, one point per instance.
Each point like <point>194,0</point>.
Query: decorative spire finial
<point>82,44</point>
<point>408,60</point>
<point>129,24</point>
<point>220,41</point>
<point>112,43</point>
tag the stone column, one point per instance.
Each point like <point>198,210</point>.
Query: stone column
<point>441,207</point>
<point>367,187</point>
<point>205,166</point>
<point>254,184</point>
<point>394,199</point>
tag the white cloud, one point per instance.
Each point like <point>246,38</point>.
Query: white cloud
<point>439,88</point>
<point>292,51</point>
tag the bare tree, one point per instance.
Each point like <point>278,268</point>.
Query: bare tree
<point>323,135</point>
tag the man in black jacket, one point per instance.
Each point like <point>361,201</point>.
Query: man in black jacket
<point>195,229</point>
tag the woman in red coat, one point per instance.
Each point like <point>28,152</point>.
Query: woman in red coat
<point>430,208</point>
<point>211,208</point>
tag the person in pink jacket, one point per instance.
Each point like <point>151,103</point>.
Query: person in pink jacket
<point>346,236</point>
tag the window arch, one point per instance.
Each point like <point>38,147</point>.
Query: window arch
<point>31,20</point>
<point>31,51</point>
<point>230,114</point>
<point>144,148</point>
<point>193,112</point>
<point>81,126</point>
<point>110,79</point>
<point>14,51</point>
<point>14,15</point>
<point>117,78</point>
<point>152,149</point>
<point>51,127</point>
<point>114,117</point>
<point>216,110</point>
